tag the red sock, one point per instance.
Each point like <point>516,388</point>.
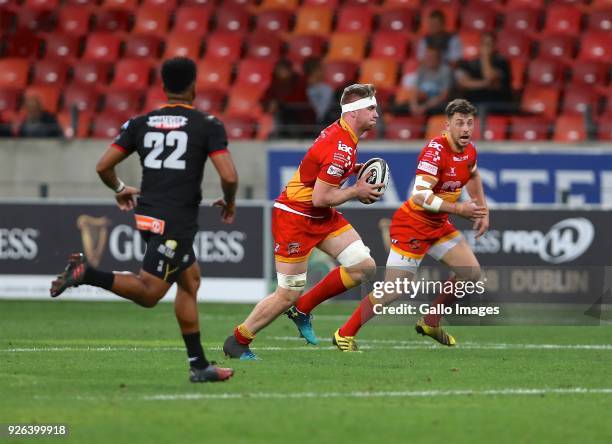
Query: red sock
<point>444,299</point>
<point>337,281</point>
<point>360,316</point>
<point>242,335</point>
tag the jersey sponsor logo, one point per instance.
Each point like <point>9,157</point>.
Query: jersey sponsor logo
<point>335,171</point>
<point>167,122</point>
<point>344,147</point>
<point>432,156</point>
<point>460,158</point>
<point>427,167</point>
<point>18,243</point>
<point>435,145</point>
<point>451,185</point>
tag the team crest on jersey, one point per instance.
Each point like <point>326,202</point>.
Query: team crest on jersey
<point>293,248</point>
<point>167,122</point>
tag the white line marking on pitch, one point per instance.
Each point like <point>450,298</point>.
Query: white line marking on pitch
<point>401,394</point>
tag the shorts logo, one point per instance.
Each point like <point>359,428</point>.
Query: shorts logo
<point>185,258</point>
<point>168,249</point>
<point>335,171</point>
<point>427,167</point>
<point>293,248</point>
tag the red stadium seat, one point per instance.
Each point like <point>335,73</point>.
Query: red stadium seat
<point>478,19</point>
<point>405,128</point>
<point>600,20</point>
<point>193,19</point>
<point>540,100</point>
<point>224,45</point>
<point>355,19</point>
<point>265,126</point>
<point>497,128</point>
<point>313,20</point>
<point>84,97</point>
<point>518,67</point>
<point>103,47</point>
<point>340,74</point>
<point>545,72</point>
<point>22,44</point>
<point>78,129</point>
<point>435,125</point>
<point>155,98</point>
<point>589,73</point>
<point>331,4</point>
<point>64,46</point>
<point>562,19</point>
<point>380,72</point>
<point>232,19</point>
<point>214,74</point>
<point>168,5</point>
<point>579,98</point>
<point>239,127</point>
<point>303,46</point>
<point>113,20</point>
<point>152,21</point>
<point>47,94</point>
<point>493,5</point>
<point>255,73</point>
<point>522,4</point>
<point>210,101</point>
<point>244,100</point>
<point>50,72</point>
<point>36,20</point>
<point>604,127</point>
<point>390,44</point>
<point>107,125</point>
<point>144,46</point>
<point>529,128</point>
<point>561,47</point>
<point>207,3</point>
<point>9,99</point>
<point>132,74</point>
<point>277,20</point>
<point>278,4</point>
<point>182,45</point>
<point>596,46</point>
<point>8,19</point>
<point>470,44</point>
<point>513,44</point>
<point>264,46</point>
<point>123,101</point>
<point>47,5</point>
<point>126,5</point>
<point>74,20</point>
<point>569,128</point>
<point>347,46</point>
<point>13,73</point>
<point>522,21</point>
<point>81,2</point>
<point>91,73</point>
<point>401,19</point>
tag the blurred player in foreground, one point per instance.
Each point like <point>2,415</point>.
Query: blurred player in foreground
<point>173,143</point>
<point>421,225</point>
<point>304,217</point>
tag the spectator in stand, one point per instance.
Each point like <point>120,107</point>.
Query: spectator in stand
<point>430,86</point>
<point>287,100</point>
<point>486,81</point>
<point>5,127</point>
<point>320,94</point>
<point>38,122</point>
<point>448,43</point>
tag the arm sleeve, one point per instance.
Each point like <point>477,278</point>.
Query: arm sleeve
<point>337,163</point>
<point>126,140</point>
<point>217,137</point>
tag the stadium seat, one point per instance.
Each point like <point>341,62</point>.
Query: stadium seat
<point>214,74</point>
<point>518,67</point>
<point>239,127</point>
<point>122,101</point>
<point>266,5</point>
<point>224,45</point>
<point>301,47</point>
<point>435,125</point>
<point>523,21</point>
<point>143,46</point>
<point>595,46</point>
<point>8,19</point>
<point>405,128</point>
<point>106,125</point>
<point>91,73</point>
<point>255,73</point>
<point>561,47</point>
<point>132,74</point>
<point>274,20</point>
<point>113,20</point>
<point>207,3</point>
<point>477,19</point>
<point>182,45</point>
<point>22,44</point>
<point>64,46</point>
<point>81,2</point>
<point>168,5</point>
<point>126,5</point>
<point>244,100</point>
<point>529,128</point>
<point>103,47</point>
<point>522,4</point>
<point>580,98</point>
<point>390,44</point>
<point>313,20</point>
<point>355,19</point>
<point>74,20</point>
<point>9,99</point>
<point>589,73</point>
<point>396,20</point>
<point>84,97</point>
<point>151,21</point>
<point>193,19</point>
<point>155,98</point>
<point>265,127</point>
<point>332,4</point>
<point>47,94</point>
<point>544,72</point>
<point>604,127</point>
<point>78,129</point>
<point>540,100</point>
<point>210,101</point>
<point>232,19</point>
<point>340,74</point>
<point>470,44</point>
<point>569,128</point>
<point>264,46</point>
<point>380,72</point>
<point>600,20</point>
<point>497,128</point>
<point>35,20</point>
<point>393,4</point>
<point>50,72</point>
<point>347,46</point>
<point>494,5</point>
<point>562,19</point>
<point>13,73</point>
<point>513,44</point>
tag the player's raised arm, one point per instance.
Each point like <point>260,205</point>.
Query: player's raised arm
<point>125,195</point>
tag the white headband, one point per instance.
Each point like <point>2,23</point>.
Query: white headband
<point>359,104</point>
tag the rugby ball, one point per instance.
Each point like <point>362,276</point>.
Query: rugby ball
<point>378,170</point>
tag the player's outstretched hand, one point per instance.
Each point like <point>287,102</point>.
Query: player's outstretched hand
<point>228,211</point>
<point>126,199</point>
<point>481,225</point>
<point>366,191</point>
<point>471,210</point>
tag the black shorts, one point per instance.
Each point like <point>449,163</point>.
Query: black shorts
<point>167,258</point>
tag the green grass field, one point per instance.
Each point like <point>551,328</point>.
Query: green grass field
<point>117,373</point>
